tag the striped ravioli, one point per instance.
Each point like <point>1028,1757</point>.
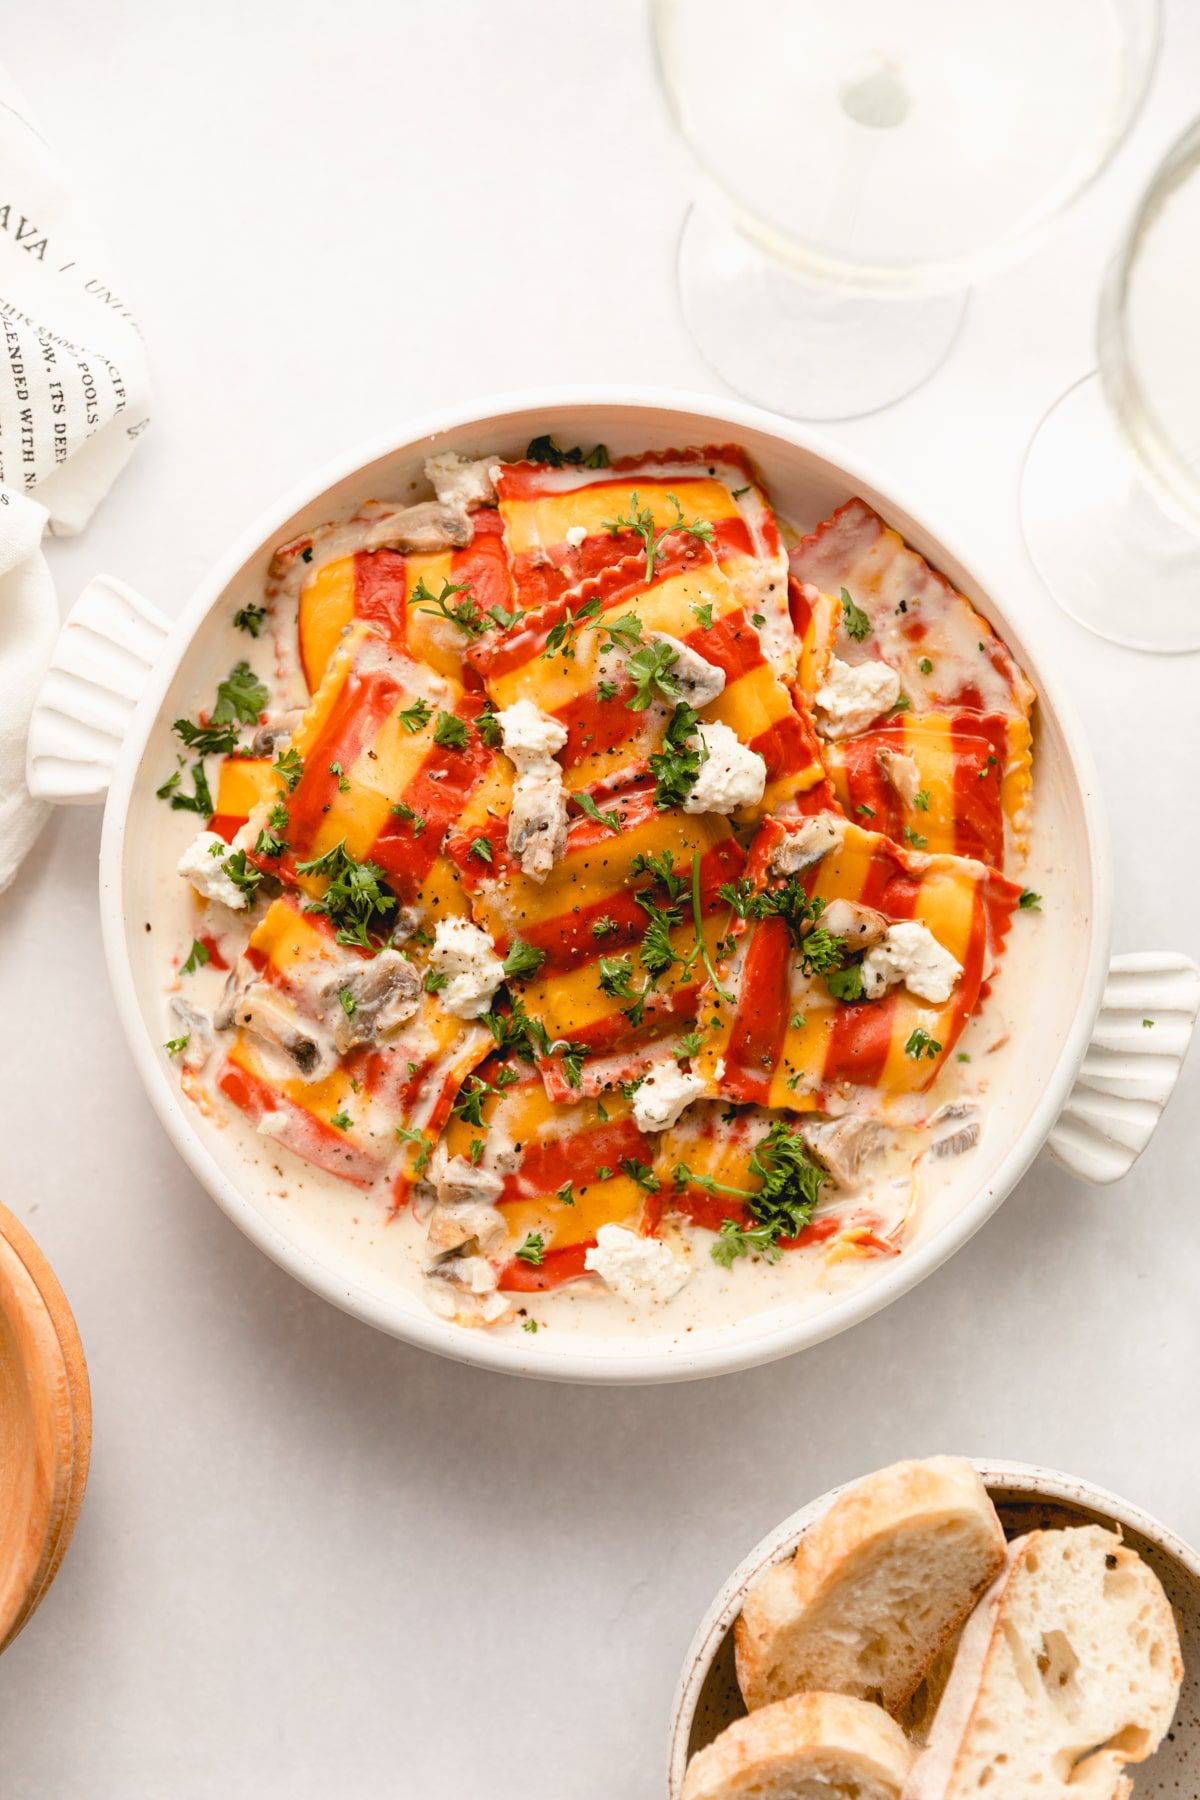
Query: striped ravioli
<point>608,742</point>
<point>379,587</point>
<point>557,525</point>
<point>587,910</point>
<point>915,617</point>
<point>406,1083</point>
<point>368,744</point>
<point>780,1039</point>
<point>972,776</point>
<point>561,1166</point>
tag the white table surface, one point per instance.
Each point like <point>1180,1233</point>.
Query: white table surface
<point>312,1561</point>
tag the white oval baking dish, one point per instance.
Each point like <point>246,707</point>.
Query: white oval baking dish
<point>1028,1499</point>
<point>1092,1085</point>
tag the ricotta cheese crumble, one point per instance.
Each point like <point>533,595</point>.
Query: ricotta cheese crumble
<point>910,953</point>
<point>467,956</point>
<point>635,1267</point>
<point>663,1095</point>
<point>853,695</point>
<point>731,775</point>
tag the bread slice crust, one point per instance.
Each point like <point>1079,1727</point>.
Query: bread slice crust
<point>811,1745</point>
<point>876,1587</point>
<point>1068,1671</point>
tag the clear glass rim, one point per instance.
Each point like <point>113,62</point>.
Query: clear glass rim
<point>1174,479</point>
<point>821,267</point>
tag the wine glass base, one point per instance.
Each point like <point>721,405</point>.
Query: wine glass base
<point>1109,554</point>
<point>809,352</point>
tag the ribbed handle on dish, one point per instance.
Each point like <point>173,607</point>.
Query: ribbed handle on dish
<point>109,642</point>
<point>1131,1065</point>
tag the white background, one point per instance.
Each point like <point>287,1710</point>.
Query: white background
<point>312,1561</point>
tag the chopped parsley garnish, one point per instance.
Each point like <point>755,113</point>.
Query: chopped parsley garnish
<point>349,1003</point>
<point>868,812</point>
<point>207,740</point>
<point>607,690</point>
<point>915,839</point>
<point>820,950</point>
<point>989,764</point>
<point>278,818</point>
<point>1147,1025</point>
<point>846,984</point>
<point>475,1151</point>
<point>533,1250</point>
<point>265,844</point>
<point>704,613</point>
<point>488,727</point>
<point>243,874</point>
<point>522,961</point>
<point>197,956</point>
<point>424,1148</point>
<point>341,1121</point>
<point>481,847</point>
<point>566,1194</point>
<point>1029,901</point>
<point>622,633</point>
<point>289,765</point>
<point>417,820</point>
<point>963,1057</point>
<point>339,774</point>
<point>660,868</point>
<point>739,895</point>
<point>903,704</point>
<point>530,1326</point>
<point>174,1045</point>
<point>921,800</point>
<point>356,900</point>
<point>240,696</point>
<point>464,613</point>
<point>640,521</point>
<point>856,621</point>
<point>688,1045</point>
<point>572,1064</point>
<point>250,618</point>
<point>781,1206</point>
<point>602,926</point>
<point>677,764</point>
<point>545,450</point>
<point>641,1173</point>
<point>414,718</point>
<point>921,1044</point>
<point>587,805</point>
<point>616,975</point>
<point>449,732</point>
<point>200,800</point>
<point>738,492</point>
<point>650,671</point>
<point>925,666</point>
<point>435,980</point>
<point>758,619</point>
<point>562,634</point>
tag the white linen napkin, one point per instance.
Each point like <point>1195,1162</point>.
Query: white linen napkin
<point>74,393</point>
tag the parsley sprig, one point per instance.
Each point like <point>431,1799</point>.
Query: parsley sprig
<point>781,1206</point>
<point>640,521</point>
<point>356,900</point>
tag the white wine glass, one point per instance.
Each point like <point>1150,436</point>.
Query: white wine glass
<point>1110,492</point>
<point>862,162</point>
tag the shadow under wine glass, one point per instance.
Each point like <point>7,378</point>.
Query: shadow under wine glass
<point>862,164</point>
<point>1110,491</point>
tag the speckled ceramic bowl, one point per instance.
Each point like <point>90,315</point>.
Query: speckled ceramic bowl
<point>1027,1498</point>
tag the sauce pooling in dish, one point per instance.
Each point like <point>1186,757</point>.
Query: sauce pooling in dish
<point>600,891</point>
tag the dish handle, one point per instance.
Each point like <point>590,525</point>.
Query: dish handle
<point>1130,1066</point>
<point>108,644</point>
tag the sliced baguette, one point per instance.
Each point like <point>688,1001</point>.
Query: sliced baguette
<point>875,1589</point>
<point>1068,1670</point>
<point>812,1747</point>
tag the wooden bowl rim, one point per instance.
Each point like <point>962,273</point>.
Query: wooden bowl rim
<point>60,1370</point>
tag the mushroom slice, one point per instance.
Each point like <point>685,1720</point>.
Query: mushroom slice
<point>800,849</point>
<point>276,734</point>
<point>845,1145</point>
<point>198,1027</point>
<point>537,822</point>
<point>368,999</point>
<point>256,1008</point>
<point>463,1288</point>
<point>861,926</point>
<point>961,1130</point>
<point>698,680</point>
<point>902,772</point>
